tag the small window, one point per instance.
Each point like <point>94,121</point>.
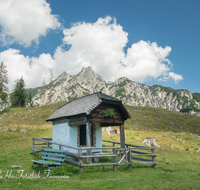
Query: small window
<point>83,135</point>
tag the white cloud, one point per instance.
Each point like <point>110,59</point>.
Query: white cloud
<point>175,76</point>
<point>100,45</point>
<point>34,70</point>
<point>145,60</point>
<point>25,21</point>
<point>171,75</point>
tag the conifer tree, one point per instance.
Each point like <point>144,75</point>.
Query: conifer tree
<point>30,101</point>
<point>19,95</point>
<point>3,83</point>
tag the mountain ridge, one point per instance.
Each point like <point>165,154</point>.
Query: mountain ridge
<point>67,87</point>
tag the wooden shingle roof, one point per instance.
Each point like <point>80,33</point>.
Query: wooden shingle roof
<point>83,105</point>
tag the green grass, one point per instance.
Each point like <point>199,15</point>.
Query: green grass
<point>28,115</point>
<point>178,168</point>
<point>155,119</point>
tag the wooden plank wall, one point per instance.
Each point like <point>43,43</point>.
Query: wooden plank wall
<point>96,117</point>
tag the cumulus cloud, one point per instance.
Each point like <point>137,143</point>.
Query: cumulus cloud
<point>34,70</point>
<point>100,45</point>
<point>25,21</point>
<point>145,60</point>
<point>173,76</point>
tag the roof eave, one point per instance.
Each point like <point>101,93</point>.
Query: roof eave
<point>66,117</point>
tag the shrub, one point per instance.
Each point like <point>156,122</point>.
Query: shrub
<point>107,113</point>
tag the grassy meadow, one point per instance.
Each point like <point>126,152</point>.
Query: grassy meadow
<point>177,133</point>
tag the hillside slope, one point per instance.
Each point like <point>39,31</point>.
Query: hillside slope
<point>143,119</point>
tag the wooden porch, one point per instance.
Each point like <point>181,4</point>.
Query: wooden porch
<point>131,154</point>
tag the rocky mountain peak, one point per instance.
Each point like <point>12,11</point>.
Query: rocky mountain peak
<point>87,68</point>
<point>87,72</point>
<point>63,75</point>
<point>67,87</point>
<point>88,75</point>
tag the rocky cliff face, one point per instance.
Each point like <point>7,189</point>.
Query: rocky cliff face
<point>67,87</point>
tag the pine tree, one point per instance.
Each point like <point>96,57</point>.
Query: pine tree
<point>3,83</point>
<point>30,101</point>
<point>19,95</point>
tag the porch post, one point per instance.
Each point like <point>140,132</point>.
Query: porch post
<point>88,140</point>
<point>88,131</point>
<point>122,136</point>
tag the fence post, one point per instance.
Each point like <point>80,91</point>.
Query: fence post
<point>115,159</point>
<point>122,136</point>
<point>80,160</point>
<point>129,159</point>
<point>47,144</point>
<point>59,147</point>
<point>126,155</point>
<point>153,157</point>
<point>33,145</point>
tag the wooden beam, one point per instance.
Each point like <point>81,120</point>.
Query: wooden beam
<point>113,121</point>
<point>88,144</point>
<point>101,164</point>
<point>77,123</point>
<point>72,162</point>
<point>111,102</point>
<point>122,136</point>
<point>88,138</point>
<point>98,116</point>
<point>109,124</point>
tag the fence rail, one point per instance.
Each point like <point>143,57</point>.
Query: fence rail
<point>131,154</point>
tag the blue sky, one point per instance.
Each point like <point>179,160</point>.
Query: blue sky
<point>150,42</point>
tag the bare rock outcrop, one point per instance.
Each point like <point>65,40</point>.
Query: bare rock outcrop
<point>68,87</point>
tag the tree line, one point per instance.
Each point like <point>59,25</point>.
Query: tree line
<point>19,96</point>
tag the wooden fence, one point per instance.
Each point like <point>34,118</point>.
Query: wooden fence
<point>131,154</point>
